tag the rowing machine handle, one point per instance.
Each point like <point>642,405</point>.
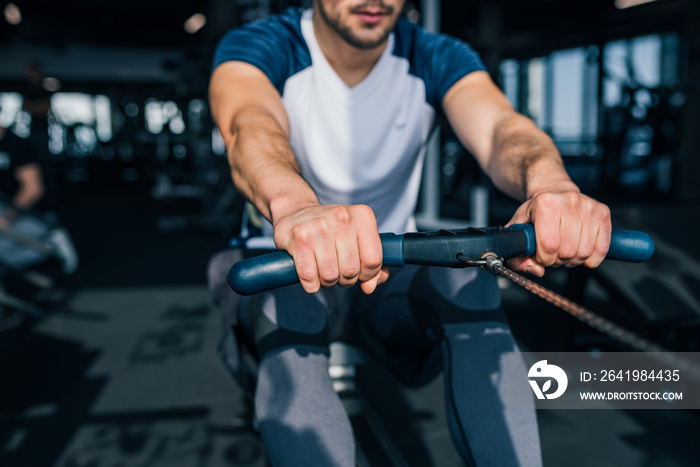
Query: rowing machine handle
<point>625,245</point>
<point>276,269</point>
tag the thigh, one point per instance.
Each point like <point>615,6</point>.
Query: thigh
<point>404,323</point>
<point>225,299</point>
<point>285,317</point>
<point>418,297</point>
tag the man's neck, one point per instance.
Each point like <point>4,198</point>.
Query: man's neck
<point>350,63</point>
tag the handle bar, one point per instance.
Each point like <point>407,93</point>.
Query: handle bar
<point>440,248</point>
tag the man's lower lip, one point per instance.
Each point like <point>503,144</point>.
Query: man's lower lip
<point>372,19</point>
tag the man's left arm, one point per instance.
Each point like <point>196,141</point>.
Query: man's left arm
<point>523,162</point>
<point>31,186</point>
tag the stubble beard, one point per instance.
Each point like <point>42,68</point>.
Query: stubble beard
<point>346,33</point>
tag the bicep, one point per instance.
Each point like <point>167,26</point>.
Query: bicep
<point>475,107</point>
<point>236,87</point>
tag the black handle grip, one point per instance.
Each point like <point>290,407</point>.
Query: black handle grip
<point>625,245</point>
<point>273,270</point>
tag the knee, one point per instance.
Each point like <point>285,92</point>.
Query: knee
<point>292,309</point>
<point>442,296</point>
<point>218,267</point>
<point>287,317</point>
<point>225,299</point>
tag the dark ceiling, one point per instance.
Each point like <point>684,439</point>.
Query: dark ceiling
<point>500,27</point>
<point>159,23</point>
<point>106,22</point>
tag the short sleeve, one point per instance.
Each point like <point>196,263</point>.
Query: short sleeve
<point>439,60</point>
<point>274,45</point>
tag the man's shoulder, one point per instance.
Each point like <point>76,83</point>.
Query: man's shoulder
<point>411,39</point>
<point>283,26</point>
<point>275,45</point>
<point>440,60</point>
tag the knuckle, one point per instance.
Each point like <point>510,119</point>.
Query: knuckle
<point>301,234</point>
<point>329,275</point>
<point>549,245</point>
<point>572,200</point>
<point>320,225</point>
<point>350,271</point>
<point>365,211</point>
<point>306,273</point>
<point>342,215</point>
<point>544,200</point>
<point>372,261</point>
<point>567,252</point>
<point>585,251</point>
<point>546,261</point>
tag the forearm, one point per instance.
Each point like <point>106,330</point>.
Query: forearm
<point>264,168</point>
<point>27,198</point>
<point>525,161</point>
<point>335,244</point>
<point>31,186</point>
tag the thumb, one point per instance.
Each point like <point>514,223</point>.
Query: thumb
<point>521,216</point>
<point>524,263</point>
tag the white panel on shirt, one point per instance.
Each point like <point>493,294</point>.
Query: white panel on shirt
<point>360,145</point>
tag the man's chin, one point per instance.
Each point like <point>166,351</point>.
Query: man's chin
<point>367,41</point>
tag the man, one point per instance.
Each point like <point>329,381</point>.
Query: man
<point>26,208</point>
<point>36,101</point>
<point>325,114</point>
<point>21,180</point>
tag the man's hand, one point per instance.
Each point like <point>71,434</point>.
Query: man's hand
<point>335,244</point>
<point>571,229</point>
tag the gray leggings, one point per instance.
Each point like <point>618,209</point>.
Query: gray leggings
<point>454,314</point>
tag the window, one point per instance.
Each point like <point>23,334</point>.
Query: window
<point>161,114</point>
<point>80,123</point>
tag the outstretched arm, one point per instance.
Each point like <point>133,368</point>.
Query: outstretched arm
<point>31,186</point>
<point>30,192</point>
<point>330,244</point>
<point>523,162</point>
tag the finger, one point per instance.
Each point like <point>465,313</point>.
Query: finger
<point>348,254</point>
<point>570,233</point>
<point>369,244</point>
<point>522,263</point>
<point>602,245</point>
<point>307,270</point>
<point>320,237</point>
<point>370,286</point>
<point>327,262</point>
<point>587,243</point>
<point>547,235</point>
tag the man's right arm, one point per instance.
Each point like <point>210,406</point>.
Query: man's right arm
<point>253,123</point>
<point>329,244</point>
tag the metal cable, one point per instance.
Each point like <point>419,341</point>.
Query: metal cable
<point>607,327</point>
